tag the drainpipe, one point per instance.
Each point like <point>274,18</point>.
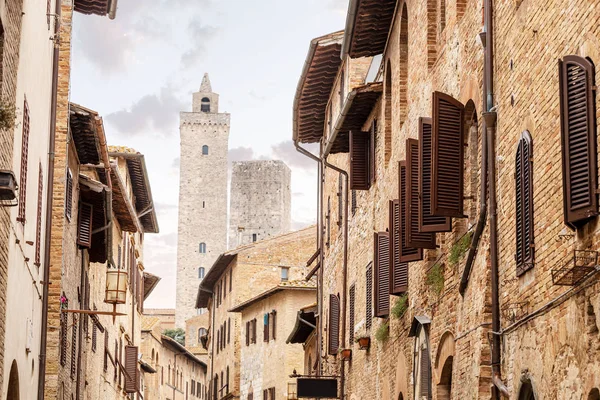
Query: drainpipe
<point>49,193</point>
<point>344,269</point>
<point>320,245</point>
<point>490,118</point>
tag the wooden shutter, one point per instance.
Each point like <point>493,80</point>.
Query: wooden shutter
<point>84,225</point>
<point>578,134</point>
<point>229,331</point>
<point>372,148</point>
<point>340,198</point>
<point>447,154</point>
<point>265,394</point>
<point>382,274</point>
<point>63,338</point>
<point>427,221</point>
<point>74,347</point>
<point>254,330</point>
<point>425,383</point>
<point>414,238</point>
<point>398,269</point>
<point>359,161</point>
<point>274,322</point>
<point>131,371</point>
<point>407,253</point>
<point>24,163</point>
<point>354,205</point>
<point>524,253</point>
<point>334,325</point>
<point>105,367</point>
<point>230,280</point>
<point>247,333</point>
<point>38,225</point>
<point>266,327</point>
<point>369,297</point>
<point>352,302</point>
<point>69,195</point>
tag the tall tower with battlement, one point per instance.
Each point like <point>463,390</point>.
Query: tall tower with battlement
<point>202,231</point>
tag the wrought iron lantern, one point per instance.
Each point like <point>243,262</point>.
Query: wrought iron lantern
<point>8,188</point>
<point>116,286</point>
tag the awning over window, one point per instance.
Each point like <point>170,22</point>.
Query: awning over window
<point>96,7</point>
<point>305,325</point>
<point>417,323</point>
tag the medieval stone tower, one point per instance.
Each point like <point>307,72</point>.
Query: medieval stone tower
<point>202,232</point>
<point>260,201</point>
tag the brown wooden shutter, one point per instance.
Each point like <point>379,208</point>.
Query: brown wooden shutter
<point>24,163</point>
<point>274,323</point>
<point>382,274</point>
<point>427,222</point>
<point>63,337</point>
<point>266,327</point>
<point>407,254</point>
<point>69,195</point>
<point>578,134</point>
<point>105,367</point>
<point>372,148</point>
<point>369,298</point>
<point>131,371</point>
<point>414,238</point>
<point>254,330</point>
<point>447,190</point>
<point>84,225</point>
<point>328,218</point>
<point>359,161</point>
<point>229,331</point>
<point>340,198</point>
<point>334,325</point>
<point>38,224</point>
<point>247,333</point>
<point>425,374</point>
<point>354,205</point>
<point>230,280</point>
<point>398,269</point>
<point>524,253</point>
<point>352,302</point>
<point>74,347</point>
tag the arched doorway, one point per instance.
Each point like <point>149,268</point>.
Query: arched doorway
<point>13,382</point>
<point>594,394</point>
<point>400,397</point>
<point>526,392</point>
<point>444,387</point>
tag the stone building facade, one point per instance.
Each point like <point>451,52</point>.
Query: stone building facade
<point>435,340</point>
<point>267,359</point>
<point>202,233</point>
<point>172,371</point>
<point>238,276</point>
<point>196,336</point>
<point>165,315</point>
<point>260,201</point>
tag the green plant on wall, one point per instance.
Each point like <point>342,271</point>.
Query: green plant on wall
<point>435,279</point>
<point>400,306</point>
<point>459,249</point>
<point>383,332</point>
<point>7,115</point>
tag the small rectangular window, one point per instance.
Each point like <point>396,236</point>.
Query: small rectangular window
<point>285,273</point>
<point>254,237</point>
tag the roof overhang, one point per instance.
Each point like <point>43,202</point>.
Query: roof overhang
<point>214,273</point>
<point>357,107</point>
<point>144,206</point>
<point>122,207</point>
<point>98,196</point>
<point>242,306</point>
<point>147,367</point>
<point>368,23</point>
<point>181,349</point>
<point>417,323</point>
<point>84,130</point>
<point>150,282</point>
<point>97,7</point>
<point>314,87</point>
<point>305,325</point>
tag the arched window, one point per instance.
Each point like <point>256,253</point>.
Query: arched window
<point>205,105</point>
<point>526,392</point>
<point>524,204</point>
<point>594,394</point>
<point>202,248</point>
<point>388,112</point>
<point>201,272</point>
<point>205,150</point>
<point>201,332</point>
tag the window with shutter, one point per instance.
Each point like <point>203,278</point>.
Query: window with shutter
<point>334,325</point>
<point>230,280</point>
<point>63,337</point>
<point>328,217</point>
<point>74,347</point>
<point>407,253</point>
<point>372,148</point>
<point>354,205</point>
<point>247,333</point>
<point>578,136</point>
<point>69,195</point>
<point>272,393</point>
<point>266,394</point>
<point>105,367</point>
<point>24,163</point>
<point>38,224</point>
<point>352,301</point>
<point>369,297</point>
<point>447,154</point>
<point>359,160</point>
<point>266,327</point>
<point>425,367</point>
<point>398,269</point>
<point>131,371</point>
<point>254,330</point>
<point>427,221</point>
<point>382,274</point>
<point>524,204</point>
<point>414,238</point>
<point>94,336</point>
<point>84,225</point>
<point>273,323</point>
<point>229,331</point>
<point>340,198</point>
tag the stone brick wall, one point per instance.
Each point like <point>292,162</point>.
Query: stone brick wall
<point>260,205</point>
<point>202,200</point>
<point>192,341</point>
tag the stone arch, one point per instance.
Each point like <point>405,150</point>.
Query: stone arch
<point>13,382</point>
<point>401,386</point>
<point>443,366</point>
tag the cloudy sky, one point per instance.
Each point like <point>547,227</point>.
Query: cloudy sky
<point>140,70</point>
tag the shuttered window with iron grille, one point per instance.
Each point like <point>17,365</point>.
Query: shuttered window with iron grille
<point>369,297</point>
<point>334,325</point>
<point>132,378</point>
<point>352,302</point>
<point>24,163</point>
<point>74,347</point>
<point>425,367</point>
<point>84,225</point>
<point>578,134</point>
<point>372,149</point>
<point>398,269</point>
<point>407,254</point>
<point>360,160</point>
<point>414,238</point>
<point>340,198</point>
<point>427,221</point>
<point>38,224</point>
<point>524,204</point>
<point>354,205</point>
<point>447,155</point>
<point>63,337</point>
<point>69,195</point>
<point>382,274</point>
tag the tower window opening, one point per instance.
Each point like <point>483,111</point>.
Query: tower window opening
<point>205,150</point>
<point>205,105</point>
<point>202,248</point>
<point>285,274</point>
<point>201,272</point>
<point>254,237</point>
